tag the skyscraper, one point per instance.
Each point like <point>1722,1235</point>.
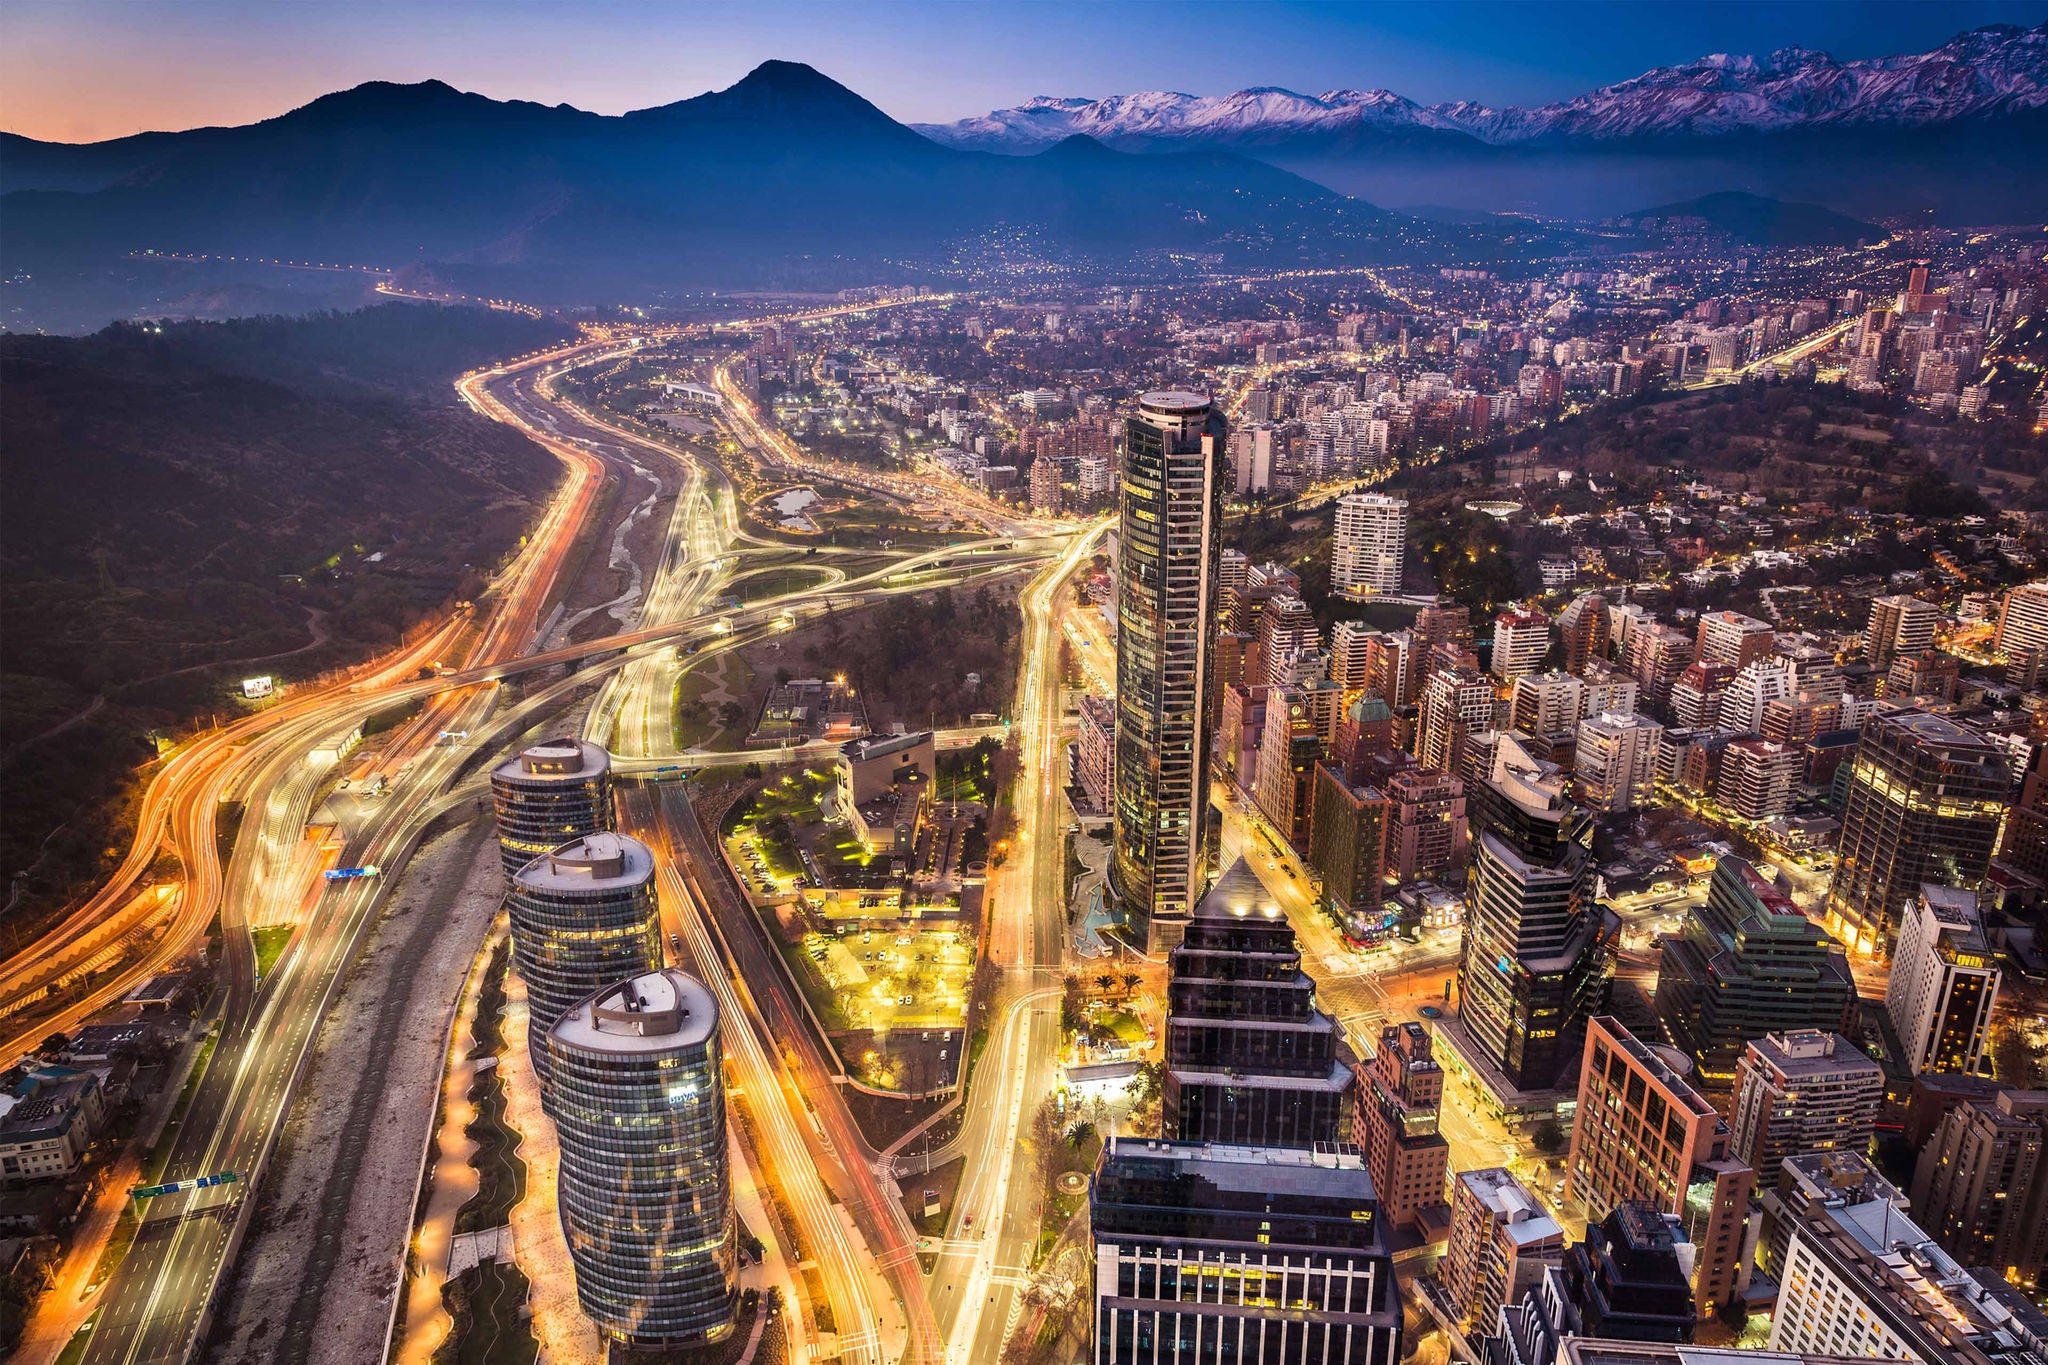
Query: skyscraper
<point>1747,963</point>
<point>1532,966</point>
<point>645,1193</point>
<point>1729,637</point>
<point>1898,625</point>
<point>1803,1091</point>
<point>1943,982</point>
<point>1400,1091</point>
<point>1501,1242</point>
<point>583,917</point>
<point>548,794</point>
<point>1348,848</point>
<point>1615,761</point>
<point>1520,640</point>
<point>1370,541</point>
<point>1257,1254</point>
<point>2023,621</point>
<point>1926,795</point>
<point>1166,570</point>
<point>1642,1133</point>
<point>1249,1058</point>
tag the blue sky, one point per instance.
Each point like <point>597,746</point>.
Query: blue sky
<point>82,69</point>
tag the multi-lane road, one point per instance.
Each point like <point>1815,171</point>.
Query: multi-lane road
<point>156,1308</point>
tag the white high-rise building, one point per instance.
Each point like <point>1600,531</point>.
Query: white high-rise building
<point>1944,982</point>
<point>2023,620</point>
<point>1898,625</point>
<point>1520,640</point>
<point>1350,653</point>
<point>1372,537</point>
<point>1755,687</point>
<point>1615,761</point>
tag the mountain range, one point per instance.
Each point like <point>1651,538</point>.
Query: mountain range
<point>1769,124</point>
<point>785,179</point>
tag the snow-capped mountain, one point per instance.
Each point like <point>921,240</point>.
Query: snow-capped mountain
<point>1986,73</point>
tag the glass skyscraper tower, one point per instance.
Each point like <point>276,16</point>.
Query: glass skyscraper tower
<point>1166,583</point>
<point>548,794</point>
<point>645,1191</point>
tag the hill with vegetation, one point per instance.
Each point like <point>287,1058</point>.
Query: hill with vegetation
<point>191,503</point>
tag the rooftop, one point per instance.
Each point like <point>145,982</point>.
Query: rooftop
<point>1336,1171</point>
<point>1238,893</point>
<point>1512,1204</point>
<point>656,1011</point>
<point>563,758</point>
<point>594,862</point>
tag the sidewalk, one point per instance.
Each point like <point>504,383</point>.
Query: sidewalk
<point>566,1337</point>
<point>427,1323</point>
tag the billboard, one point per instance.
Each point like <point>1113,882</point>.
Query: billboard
<point>257,688</point>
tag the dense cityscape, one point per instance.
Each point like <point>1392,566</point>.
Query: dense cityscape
<point>1047,803</point>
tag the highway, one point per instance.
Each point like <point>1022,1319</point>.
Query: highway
<point>157,1306</point>
<point>994,1224</point>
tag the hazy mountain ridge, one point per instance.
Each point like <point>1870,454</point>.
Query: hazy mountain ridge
<point>1986,73</point>
<point>784,170</point>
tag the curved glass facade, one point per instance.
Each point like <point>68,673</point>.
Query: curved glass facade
<point>583,916</point>
<point>645,1192</point>
<point>548,794</point>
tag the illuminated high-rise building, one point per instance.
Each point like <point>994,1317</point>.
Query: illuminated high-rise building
<point>1169,511</point>
<point>645,1190</point>
<point>548,794</point>
<point>583,917</point>
<point>1371,539</point>
<point>1898,625</point>
<point>1926,797</point>
<point>1532,969</point>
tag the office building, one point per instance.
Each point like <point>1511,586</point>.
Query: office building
<point>1978,1183</point>
<point>1926,795</point>
<point>1748,963</point>
<point>1348,850</point>
<point>1803,1090</point>
<point>1642,1133</point>
<point>1533,962</point>
<point>1729,637</point>
<point>1501,1242</point>
<point>1256,1255</point>
<point>1371,538</point>
<point>1288,752</point>
<point>1520,640</point>
<point>645,1192</point>
<point>1430,837</point>
<point>1860,1278</point>
<point>1632,1278</point>
<point>1898,625</point>
<point>548,794</point>
<point>1166,569</point>
<point>1615,761</point>
<point>2023,621</point>
<point>1400,1093</point>
<point>583,917</point>
<point>1250,1060</point>
<point>1943,982</point>
<point>1366,730</point>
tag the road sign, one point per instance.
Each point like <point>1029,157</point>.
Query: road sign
<point>343,874</point>
<point>203,1182</point>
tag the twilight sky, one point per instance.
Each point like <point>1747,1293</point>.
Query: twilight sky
<point>79,70</point>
